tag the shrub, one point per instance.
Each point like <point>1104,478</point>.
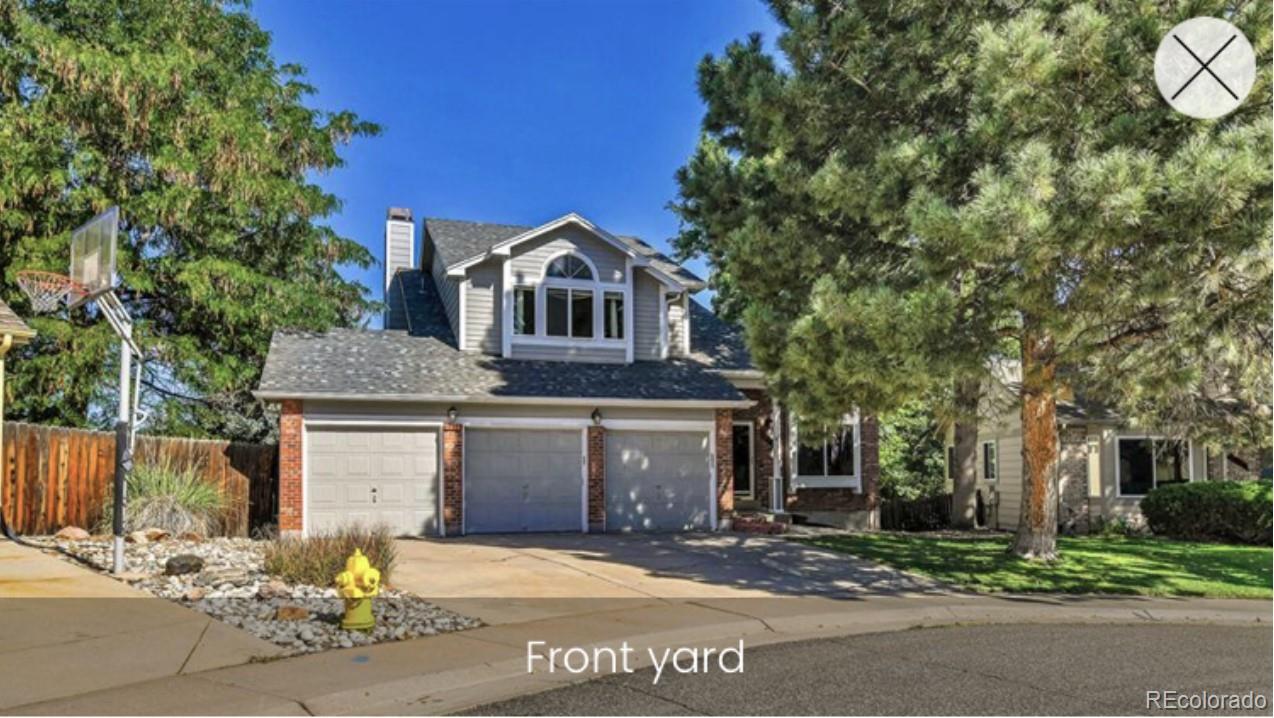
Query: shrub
<point>1212,510</point>
<point>316,560</point>
<point>163,495</point>
<point>1119,527</point>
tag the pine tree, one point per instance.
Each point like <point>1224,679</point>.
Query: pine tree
<point>919,189</point>
<point>175,111</point>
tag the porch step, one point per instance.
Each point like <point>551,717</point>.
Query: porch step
<point>760,522</point>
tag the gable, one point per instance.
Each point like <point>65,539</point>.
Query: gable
<point>529,258</point>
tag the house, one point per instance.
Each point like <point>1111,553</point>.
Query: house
<point>549,378</point>
<point>1106,465</point>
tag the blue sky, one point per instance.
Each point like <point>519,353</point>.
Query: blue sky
<point>511,112</point>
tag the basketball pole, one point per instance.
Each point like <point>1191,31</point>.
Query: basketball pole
<point>117,315</point>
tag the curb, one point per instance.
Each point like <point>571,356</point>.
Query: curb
<point>464,688</point>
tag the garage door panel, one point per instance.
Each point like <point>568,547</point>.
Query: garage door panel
<point>347,467</point>
<point>520,480</point>
<point>658,481</point>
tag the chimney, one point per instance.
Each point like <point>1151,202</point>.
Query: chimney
<point>400,242</point>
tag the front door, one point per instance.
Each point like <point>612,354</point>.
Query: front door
<point>742,453</point>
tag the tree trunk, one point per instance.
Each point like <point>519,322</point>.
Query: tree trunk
<point>1037,528</point>
<point>965,480</point>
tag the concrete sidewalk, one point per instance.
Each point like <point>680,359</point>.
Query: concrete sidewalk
<point>459,670</point>
<point>66,630</point>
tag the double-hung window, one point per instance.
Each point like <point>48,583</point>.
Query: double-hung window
<point>832,462</point>
<point>1144,463</point>
<point>524,311</point>
<point>613,315</point>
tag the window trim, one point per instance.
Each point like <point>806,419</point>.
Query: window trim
<point>1154,465</point>
<point>995,445</point>
<point>828,481</point>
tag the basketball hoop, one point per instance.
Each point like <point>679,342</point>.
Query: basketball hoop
<point>47,290</point>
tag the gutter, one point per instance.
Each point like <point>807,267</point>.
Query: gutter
<point>267,395</point>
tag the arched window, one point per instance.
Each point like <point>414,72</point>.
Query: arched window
<point>568,266</point>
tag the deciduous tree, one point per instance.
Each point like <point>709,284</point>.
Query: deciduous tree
<point>176,111</point>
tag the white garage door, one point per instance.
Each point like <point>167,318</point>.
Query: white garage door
<point>658,481</point>
<point>372,476</point>
<point>521,480</point>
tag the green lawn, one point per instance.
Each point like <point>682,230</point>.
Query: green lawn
<point>1144,566</point>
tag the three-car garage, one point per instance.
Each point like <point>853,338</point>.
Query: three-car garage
<point>516,479</point>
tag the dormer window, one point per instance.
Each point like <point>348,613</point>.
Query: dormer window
<point>569,266</point>
<point>568,305</point>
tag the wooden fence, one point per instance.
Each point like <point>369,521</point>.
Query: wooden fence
<point>924,514</point>
<point>54,477</point>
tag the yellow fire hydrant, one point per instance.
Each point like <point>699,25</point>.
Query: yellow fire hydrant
<point>358,583</point>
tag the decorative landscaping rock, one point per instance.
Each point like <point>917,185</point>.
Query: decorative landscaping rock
<point>183,564</point>
<point>154,534</point>
<point>274,588</point>
<point>72,533</point>
<point>289,612</point>
<point>234,588</point>
<point>190,536</point>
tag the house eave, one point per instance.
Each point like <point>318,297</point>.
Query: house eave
<point>268,395</point>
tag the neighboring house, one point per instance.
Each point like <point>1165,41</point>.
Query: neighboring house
<point>1106,465</point>
<point>550,378</point>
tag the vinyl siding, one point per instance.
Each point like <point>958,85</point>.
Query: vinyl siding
<point>645,316</point>
<point>569,353</point>
<point>449,291</point>
<point>484,300</point>
<point>529,257</point>
<point>398,246</point>
<point>676,330</point>
<point>434,411</point>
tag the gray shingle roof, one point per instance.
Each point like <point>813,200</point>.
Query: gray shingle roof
<point>717,343</point>
<point>458,240</point>
<point>1080,410</point>
<point>13,325</point>
<point>422,361</point>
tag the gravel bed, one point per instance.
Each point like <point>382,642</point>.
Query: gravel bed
<point>233,587</point>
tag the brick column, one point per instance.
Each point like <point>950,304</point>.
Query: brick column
<point>869,444</point>
<point>596,479</point>
<point>725,466</point>
<point>291,506</point>
<point>453,478</point>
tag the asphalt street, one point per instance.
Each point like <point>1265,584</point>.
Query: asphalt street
<point>966,670</point>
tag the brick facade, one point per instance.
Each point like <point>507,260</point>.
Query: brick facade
<point>1072,478</point>
<point>762,419</point>
<point>848,499</point>
<point>596,479</point>
<point>453,478</point>
<point>291,469</point>
<point>725,465</point>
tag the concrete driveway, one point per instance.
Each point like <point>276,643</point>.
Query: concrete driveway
<point>68,631</point>
<point>507,579</point>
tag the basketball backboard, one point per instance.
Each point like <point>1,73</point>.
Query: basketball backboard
<point>93,256</point>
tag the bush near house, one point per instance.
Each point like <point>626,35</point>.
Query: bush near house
<point>1212,511</point>
<point>316,560</point>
